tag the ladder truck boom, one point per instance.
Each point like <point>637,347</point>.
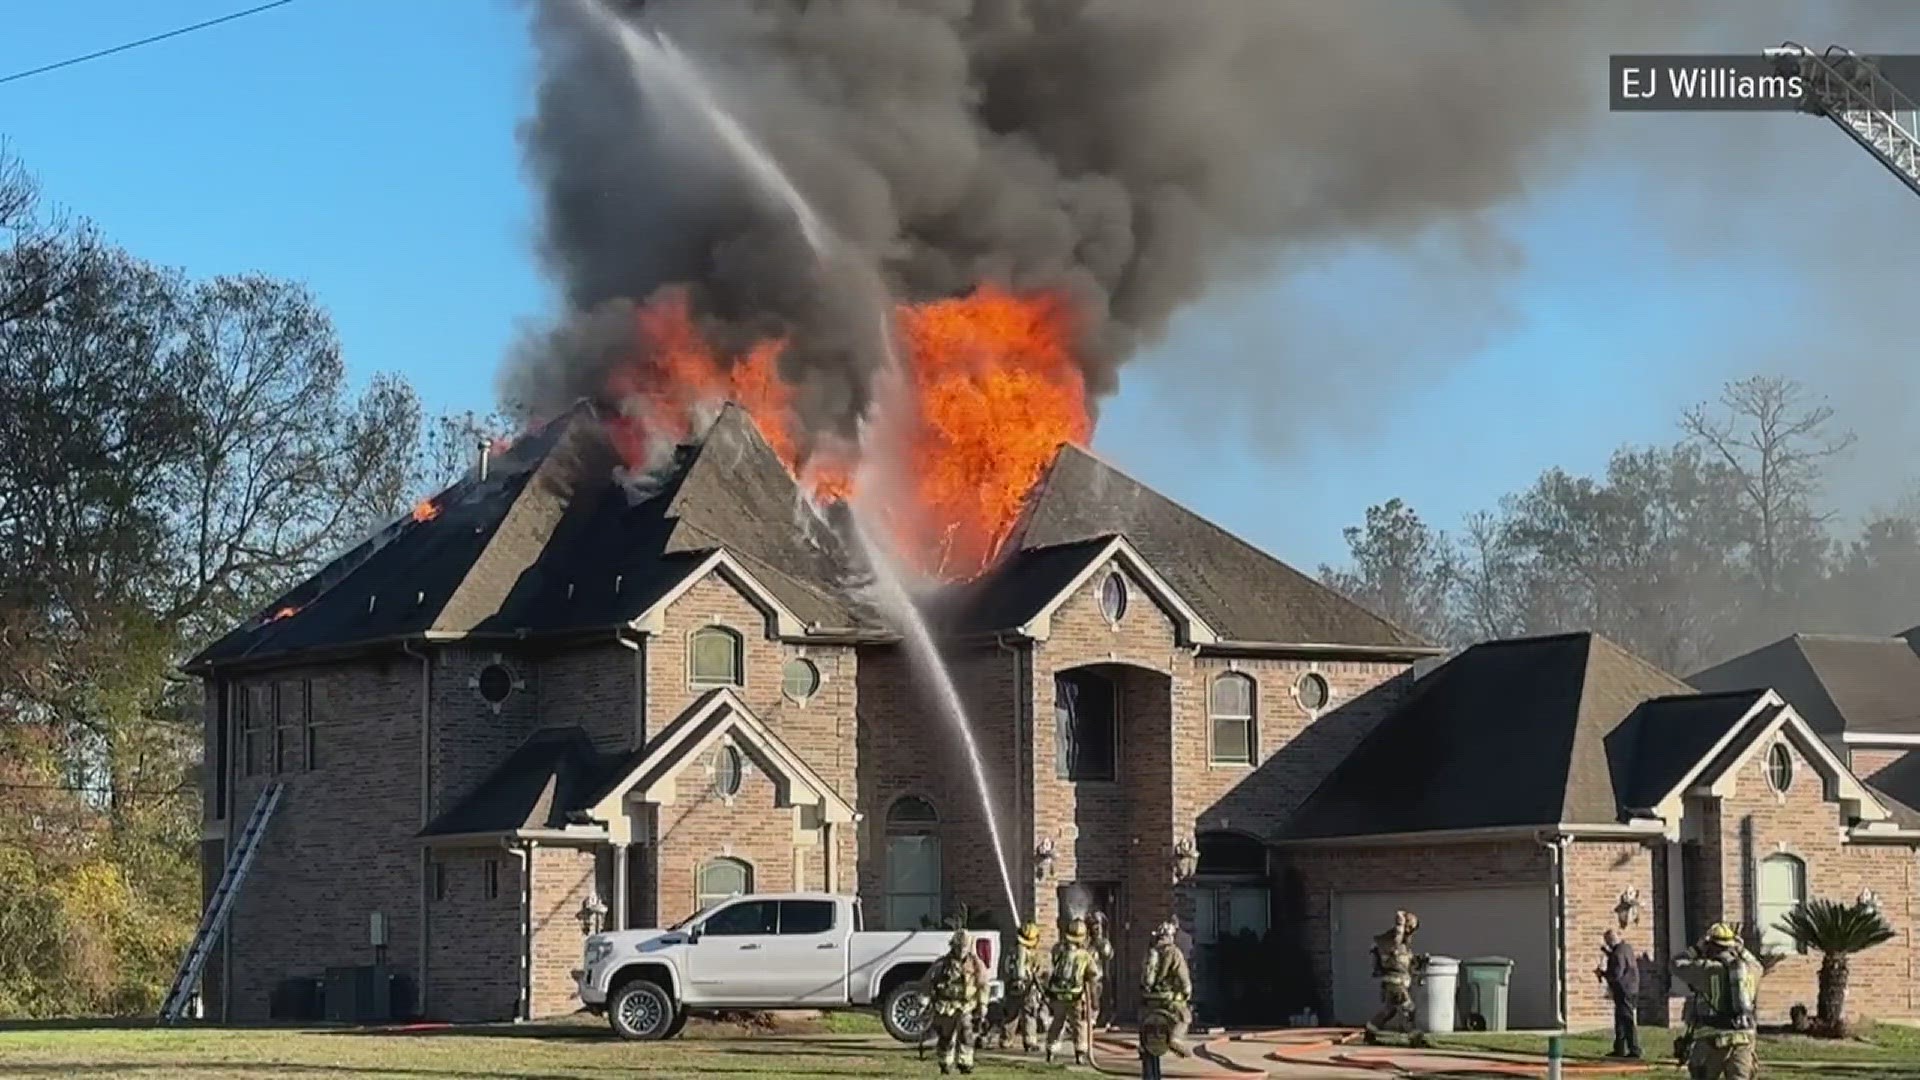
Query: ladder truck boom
<point>1850,91</point>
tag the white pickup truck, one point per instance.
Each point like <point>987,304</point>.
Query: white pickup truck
<point>765,952</point>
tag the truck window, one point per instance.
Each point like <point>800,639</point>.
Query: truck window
<point>806,916</point>
<point>746,917</point>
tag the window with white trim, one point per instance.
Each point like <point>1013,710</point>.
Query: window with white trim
<point>1230,711</point>
<point>913,865</point>
<point>716,657</point>
<point>1783,887</point>
<point>720,879</point>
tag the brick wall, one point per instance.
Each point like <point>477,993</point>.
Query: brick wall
<point>563,878</point>
<point>1597,872</point>
<point>470,735</point>
<point>594,688</point>
<point>1757,822</point>
<point>820,729</point>
<point>341,845</point>
<point>702,826</point>
<point>1866,762</point>
<point>474,939</point>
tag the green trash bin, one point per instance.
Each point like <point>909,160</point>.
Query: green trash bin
<point>1483,993</point>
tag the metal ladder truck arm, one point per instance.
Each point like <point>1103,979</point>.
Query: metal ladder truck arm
<point>220,905</point>
<point>1850,91</point>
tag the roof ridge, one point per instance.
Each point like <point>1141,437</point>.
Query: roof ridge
<point>1241,542</point>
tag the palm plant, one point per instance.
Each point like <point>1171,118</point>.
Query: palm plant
<point>1836,931</point>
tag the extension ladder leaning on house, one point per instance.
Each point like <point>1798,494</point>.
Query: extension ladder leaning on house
<point>220,905</point>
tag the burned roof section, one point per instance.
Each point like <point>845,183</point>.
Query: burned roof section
<point>550,541</point>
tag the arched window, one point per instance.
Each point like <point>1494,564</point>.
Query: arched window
<point>719,879</point>
<point>1230,707</point>
<point>715,657</point>
<point>1783,887</point>
<point>913,865</point>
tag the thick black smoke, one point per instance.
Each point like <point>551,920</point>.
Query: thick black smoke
<point>1132,152</point>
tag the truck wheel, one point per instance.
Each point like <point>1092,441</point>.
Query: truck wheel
<point>642,1011</point>
<point>903,1011</point>
<point>679,1024</point>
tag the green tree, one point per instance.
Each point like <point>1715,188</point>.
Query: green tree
<point>1837,932</point>
<point>175,452</point>
<point>1400,569</point>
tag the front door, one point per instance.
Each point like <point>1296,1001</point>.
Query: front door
<point>729,964</point>
<point>1230,923</point>
<point>1083,898</point>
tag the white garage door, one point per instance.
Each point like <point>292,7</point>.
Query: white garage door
<point>1515,923</point>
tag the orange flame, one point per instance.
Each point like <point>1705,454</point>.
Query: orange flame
<point>425,510</point>
<point>995,389</point>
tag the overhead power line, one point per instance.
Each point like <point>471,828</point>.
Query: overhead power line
<point>44,68</point>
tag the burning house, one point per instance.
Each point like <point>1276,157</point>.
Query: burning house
<point>550,695</point>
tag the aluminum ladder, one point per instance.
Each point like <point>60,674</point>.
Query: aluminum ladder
<point>214,919</point>
<point>1850,91</point>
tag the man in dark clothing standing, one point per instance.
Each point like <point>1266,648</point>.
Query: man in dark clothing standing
<point>1620,970</point>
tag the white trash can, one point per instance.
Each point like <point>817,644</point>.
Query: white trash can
<point>1434,993</point>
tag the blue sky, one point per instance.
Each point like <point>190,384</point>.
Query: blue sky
<point>367,148</point>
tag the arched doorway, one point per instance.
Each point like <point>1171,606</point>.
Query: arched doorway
<point>1232,906</point>
<point>913,873</point>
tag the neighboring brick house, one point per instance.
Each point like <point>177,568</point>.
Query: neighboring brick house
<point>1861,694</point>
<point>1532,793</point>
<point>557,691</point>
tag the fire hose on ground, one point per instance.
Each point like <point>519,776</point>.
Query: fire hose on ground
<point>1338,1047</point>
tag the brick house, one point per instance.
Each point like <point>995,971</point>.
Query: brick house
<point>555,690</point>
<point>1532,793</point>
<point>559,697</point>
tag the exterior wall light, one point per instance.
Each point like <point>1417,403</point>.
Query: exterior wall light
<point>1186,859</point>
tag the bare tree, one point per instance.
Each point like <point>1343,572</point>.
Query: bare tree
<point>1775,441</point>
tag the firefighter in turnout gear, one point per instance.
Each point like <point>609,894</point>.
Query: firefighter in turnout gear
<point>1069,991</point>
<point>1722,1013</point>
<point>1024,1006</point>
<point>1394,962</point>
<point>1101,946</point>
<point>956,988</point>
<point>1165,988</point>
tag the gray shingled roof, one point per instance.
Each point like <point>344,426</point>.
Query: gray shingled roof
<point>1507,733</point>
<point>1667,737</point>
<point>1242,592</point>
<point>553,775</point>
<point>1836,683</point>
<point>550,542</point>
<point>1020,585</point>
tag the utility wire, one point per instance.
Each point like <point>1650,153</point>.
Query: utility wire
<point>44,68</point>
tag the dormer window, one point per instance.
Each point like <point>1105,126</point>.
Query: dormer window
<point>1113,596</point>
<point>716,657</point>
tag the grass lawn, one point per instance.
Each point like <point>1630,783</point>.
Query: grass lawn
<point>525,1052</point>
<point>1889,1051</point>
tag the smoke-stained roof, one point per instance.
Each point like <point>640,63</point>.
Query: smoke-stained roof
<point>1242,592</point>
<point>551,542</point>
